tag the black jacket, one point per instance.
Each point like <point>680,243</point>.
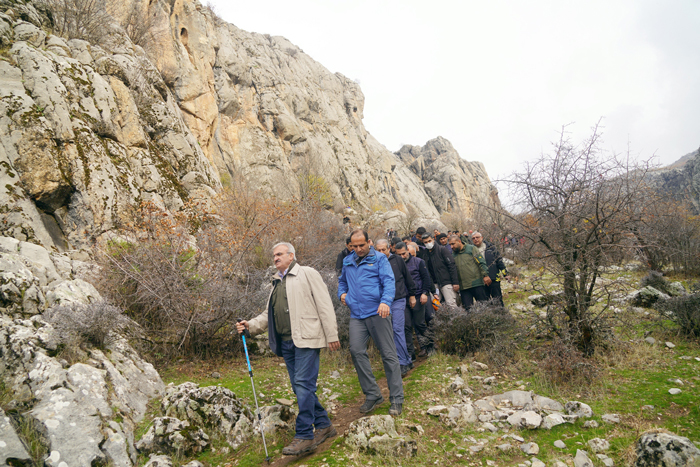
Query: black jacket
<point>339,260</point>
<point>494,260</point>
<point>420,275</point>
<point>404,282</point>
<point>441,265</point>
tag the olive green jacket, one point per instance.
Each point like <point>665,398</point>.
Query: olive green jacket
<point>471,267</point>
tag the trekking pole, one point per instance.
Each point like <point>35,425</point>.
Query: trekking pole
<point>250,372</point>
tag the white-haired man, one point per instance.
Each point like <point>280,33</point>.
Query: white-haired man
<point>300,320</point>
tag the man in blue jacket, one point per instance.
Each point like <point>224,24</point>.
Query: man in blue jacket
<point>366,286</point>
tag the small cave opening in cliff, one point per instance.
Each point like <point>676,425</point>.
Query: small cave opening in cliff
<point>354,109</point>
<point>184,37</point>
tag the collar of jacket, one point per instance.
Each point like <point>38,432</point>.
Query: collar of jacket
<point>294,271</point>
<point>371,257</point>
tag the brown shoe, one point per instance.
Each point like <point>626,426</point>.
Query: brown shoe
<point>299,446</point>
<point>323,434</point>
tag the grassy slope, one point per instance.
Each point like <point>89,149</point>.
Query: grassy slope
<point>631,374</point>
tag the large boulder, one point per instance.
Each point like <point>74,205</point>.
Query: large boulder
<point>377,435</point>
<point>12,450</point>
<point>172,436</point>
<point>646,297</point>
<point>660,449</point>
<point>217,410</point>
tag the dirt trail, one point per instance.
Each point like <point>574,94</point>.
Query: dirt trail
<point>341,420</point>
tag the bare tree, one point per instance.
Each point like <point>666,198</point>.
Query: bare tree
<point>79,19</point>
<point>577,209</point>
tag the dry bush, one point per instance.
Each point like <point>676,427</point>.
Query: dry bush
<point>185,278</point>
<point>684,311</point>
<point>487,325</point>
<point>563,363</point>
<point>79,19</point>
<point>655,279</point>
<point>97,324</point>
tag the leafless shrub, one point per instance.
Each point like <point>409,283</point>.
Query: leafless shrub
<point>684,311</point>
<point>562,362</point>
<point>96,324</point>
<point>655,279</point>
<point>460,332</point>
<point>79,19</point>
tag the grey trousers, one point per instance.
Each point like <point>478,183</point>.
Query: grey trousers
<point>382,333</point>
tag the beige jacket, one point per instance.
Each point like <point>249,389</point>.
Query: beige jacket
<point>310,310</point>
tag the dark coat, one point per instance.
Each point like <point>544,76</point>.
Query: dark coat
<point>494,260</point>
<point>404,282</point>
<point>339,260</point>
<point>441,265</point>
<point>421,277</point>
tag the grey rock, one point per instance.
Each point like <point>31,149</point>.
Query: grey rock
<point>559,444</point>
<point>491,427</point>
<point>530,449</point>
<point>670,345</point>
<point>75,291</point>
<point>582,459</point>
<point>590,424</point>
<point>194,463</point>
<point>674,391</point>
<point>666,449</point>
<point>10,445</point>
<point>490,380</point>
<point>552,420</point>
<point>456,384</point>
<point>170,435</point>
<point>286,402</point>
<point>579,409</point>
<point>275,418</point>
<point>505,447</point>
<point>159,460</point>
<point>677,381</point>
<point>547,404</point>
<point>377,435</point>
<point>525,419</point>
<point>560,464</point>
<point>607,462</point>
<point>646,297</point>
<point>650,340</point>
<point>598,444</point>
<point>476,448</point>
<point>218,410</point>
<point>676,289</point>
<point>479,366</point>
<point>611,418</point>
<point>335,374</point>
<point>647,407</point>
<point>460,415</point>
<point>29,33</point>
<point>117,446</point>
<point>543,300</point>
<point>537,463</point>
<point>437,410</point>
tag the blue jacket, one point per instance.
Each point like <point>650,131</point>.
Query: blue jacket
<point>367,284</point>
<point>421,276</point>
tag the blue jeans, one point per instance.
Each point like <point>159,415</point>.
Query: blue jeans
<point>302,366</point>
<point>398,320</point>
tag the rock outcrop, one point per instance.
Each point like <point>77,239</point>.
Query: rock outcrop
<point>453,184</point>
<point>666,450</point>
<point>89,131</point>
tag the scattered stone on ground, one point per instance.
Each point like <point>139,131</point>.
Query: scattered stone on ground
<point>552,420</point>
<point>582,459</point>
<point>530,448</point>
<point>590,424</point>
<point>559,444</point>
<point>647,407</point>
<point>665,449</point>
<point>537,463</point>
<point>286,402</point>
<point>611,418</point>
<point>579,409</point>
<point>377,435</point>
<point>598,444</point>
<point>159,460</point>
<point>670,345</point>
<point>674,391</point>
<point>479,366</point>
<point>505,447</point>
<point>605,460</point>
<point>675,381</point>
<point>650,340</point>
<point>646,297</point>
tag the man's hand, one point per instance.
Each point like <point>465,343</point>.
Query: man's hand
<point>342,298</point>
<point>383,310</point>
<point>455,287</point>
<point>487,280</point>
<point>332,346</point>
<point>242,326</point>
<point>423,299</point>
<point>412,301</point>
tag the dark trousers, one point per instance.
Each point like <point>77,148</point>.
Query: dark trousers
<point>302,366</point>
<point>469,295</point>
<point>415,318</point>
<point>494,291</point>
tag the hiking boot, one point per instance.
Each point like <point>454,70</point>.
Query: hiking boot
<point>395,409</point>
<point>404,370</point>
<point>299,446</point>
<point>323,434</point>
<point>369,405</point>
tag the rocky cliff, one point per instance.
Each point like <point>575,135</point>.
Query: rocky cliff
<point>89,130</point>
<point>681,180</point>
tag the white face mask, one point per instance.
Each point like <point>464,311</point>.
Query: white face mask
<point>430,245</point>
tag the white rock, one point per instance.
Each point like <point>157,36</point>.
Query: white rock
<point>552,420</point>
<point>674,391</point>
<point>537,463</point>
<point>559,444</point>
<point>598,444</point>
<point>505,447</point>
<point>525,419</point>
<point>605,460</point>
<point>479,366</point>
<point>579,409</point>
<point>582,459</point>
<point>530,448</point>
<point>490,427</point>
<point>437,410</point>
<point>670,345</point>
<point>611,418</point>
<point>650,340</point>
<point>590,424</point>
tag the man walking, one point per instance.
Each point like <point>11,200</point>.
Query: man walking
<point>472,272</point>
<point>367,287</point>
<point>300,320</point>
<point>405,288</point>
<point>415,314</point>
<point>494,263</point>
<point>442,268</point>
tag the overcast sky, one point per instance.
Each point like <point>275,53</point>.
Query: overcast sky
<point>500,78</point>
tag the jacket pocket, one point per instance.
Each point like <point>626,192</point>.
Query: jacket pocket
<point>310,328</point>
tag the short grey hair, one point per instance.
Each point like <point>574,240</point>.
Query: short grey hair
<point>383,241</point>
<point>411,246</point>
<point>290,247</point>
<point>477,233</point>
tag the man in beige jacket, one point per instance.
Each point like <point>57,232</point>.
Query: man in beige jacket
<point>300,320</point>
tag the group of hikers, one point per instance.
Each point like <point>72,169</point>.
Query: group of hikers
<point>390,286</point>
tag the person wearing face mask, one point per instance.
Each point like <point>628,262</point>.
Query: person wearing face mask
<point>404,295</point>
<point>442,269</point>
<point>415,315</point>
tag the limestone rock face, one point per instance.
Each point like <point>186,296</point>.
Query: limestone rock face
<point>453,184</point>
<point>667,450</point>
<point>86,133</point>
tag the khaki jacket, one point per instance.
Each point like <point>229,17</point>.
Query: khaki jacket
<point>311,311</point>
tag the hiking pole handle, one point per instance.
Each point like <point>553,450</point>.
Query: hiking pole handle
<point>245,347</point>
